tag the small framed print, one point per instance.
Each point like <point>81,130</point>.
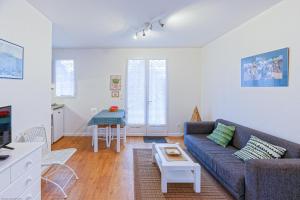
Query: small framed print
<point>115,94</point>
<point>115,82</point>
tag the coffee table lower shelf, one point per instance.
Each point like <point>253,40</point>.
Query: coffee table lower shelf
<point>176,171</point>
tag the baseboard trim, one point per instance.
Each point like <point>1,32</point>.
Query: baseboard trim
<point>176,134</point>
<point>77,134</point>
<point>172,134</point>
<point>135,134</point>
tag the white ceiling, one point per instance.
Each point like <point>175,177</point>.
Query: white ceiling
<point>112,23</point>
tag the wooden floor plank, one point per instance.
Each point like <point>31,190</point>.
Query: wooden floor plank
<point>105,175</point>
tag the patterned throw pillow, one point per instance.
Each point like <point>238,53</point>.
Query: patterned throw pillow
<point>259,149</point>
<point>222,135</point>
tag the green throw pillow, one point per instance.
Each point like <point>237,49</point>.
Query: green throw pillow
<point>222,135</point>
<point>259,149</point>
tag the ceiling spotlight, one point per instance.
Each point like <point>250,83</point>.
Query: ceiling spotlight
<point>161,24</point>
<point>144,34</point>
<point>135,36</point>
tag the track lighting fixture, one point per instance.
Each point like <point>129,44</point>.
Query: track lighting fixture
<point>147,27</point>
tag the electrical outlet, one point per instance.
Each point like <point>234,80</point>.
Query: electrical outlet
<point>180,127</point>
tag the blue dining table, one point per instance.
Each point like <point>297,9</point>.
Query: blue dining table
<point>105,117</point>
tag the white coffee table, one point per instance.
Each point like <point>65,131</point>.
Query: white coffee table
<point>185,171</point>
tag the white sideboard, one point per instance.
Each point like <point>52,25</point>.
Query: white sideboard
<point>20,174</point>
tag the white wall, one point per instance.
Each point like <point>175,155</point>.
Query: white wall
<point>274,110</point>
<point>30,98</point>
<point>94,67</point>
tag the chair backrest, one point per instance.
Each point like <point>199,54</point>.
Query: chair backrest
<point>36,134</point>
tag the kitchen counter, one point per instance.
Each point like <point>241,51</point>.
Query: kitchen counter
<point>57,106</point>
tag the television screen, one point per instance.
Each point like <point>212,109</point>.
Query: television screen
<point>5,125</point>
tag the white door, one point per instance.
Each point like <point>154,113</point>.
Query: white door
<point>146,98</point>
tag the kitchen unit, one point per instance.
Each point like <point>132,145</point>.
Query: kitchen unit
<point>57,122</point>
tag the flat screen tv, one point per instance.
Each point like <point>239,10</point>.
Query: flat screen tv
<point>5,126</point>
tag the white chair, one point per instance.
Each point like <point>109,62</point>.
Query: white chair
<point>104,137</point>
<point>113,133</point>
<point>50,158</point>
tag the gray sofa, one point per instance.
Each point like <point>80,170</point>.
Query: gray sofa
<point>252,180</point>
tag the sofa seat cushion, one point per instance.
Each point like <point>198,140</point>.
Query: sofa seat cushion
<point>230,169</point>
<point>220,160</point>
<point>197,141</point>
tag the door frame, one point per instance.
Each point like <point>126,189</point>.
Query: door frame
<point>143,130</point>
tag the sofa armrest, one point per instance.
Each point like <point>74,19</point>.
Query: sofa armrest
<point>198,127</point>
<point>272,179</point>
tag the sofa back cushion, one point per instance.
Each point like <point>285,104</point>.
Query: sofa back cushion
<point>242,135</point>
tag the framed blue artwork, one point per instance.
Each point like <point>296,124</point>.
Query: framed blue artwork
<point>11,60</point>
<point>266,70</point>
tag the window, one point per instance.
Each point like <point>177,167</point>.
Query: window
<point>65,78</point>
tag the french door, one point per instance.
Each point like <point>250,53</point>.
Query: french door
<point>146,97</point>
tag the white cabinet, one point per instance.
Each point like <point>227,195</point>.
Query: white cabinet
<point>57,124</point>
<point>20,174</point>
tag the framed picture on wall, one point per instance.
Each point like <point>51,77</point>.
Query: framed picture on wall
<point>115,94</point>
<point>11,60</point>
<point>269,69</point>
<point>115,82</point>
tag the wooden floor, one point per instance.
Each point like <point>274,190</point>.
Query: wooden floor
<point>105,175</point>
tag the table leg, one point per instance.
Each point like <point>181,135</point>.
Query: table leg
<point>153,152</point>
<point>164,183</point>
<point>107,136</point>
<point>95,138</point>
<point>197,179</point>
<point>91,129</point>
<point>110,137</point>
<point>118,138</point>
<point>125,134</point>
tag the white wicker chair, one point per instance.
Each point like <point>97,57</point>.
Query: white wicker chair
<point>50,158</point>
<point>113,133</point>
<point>106,136</point>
